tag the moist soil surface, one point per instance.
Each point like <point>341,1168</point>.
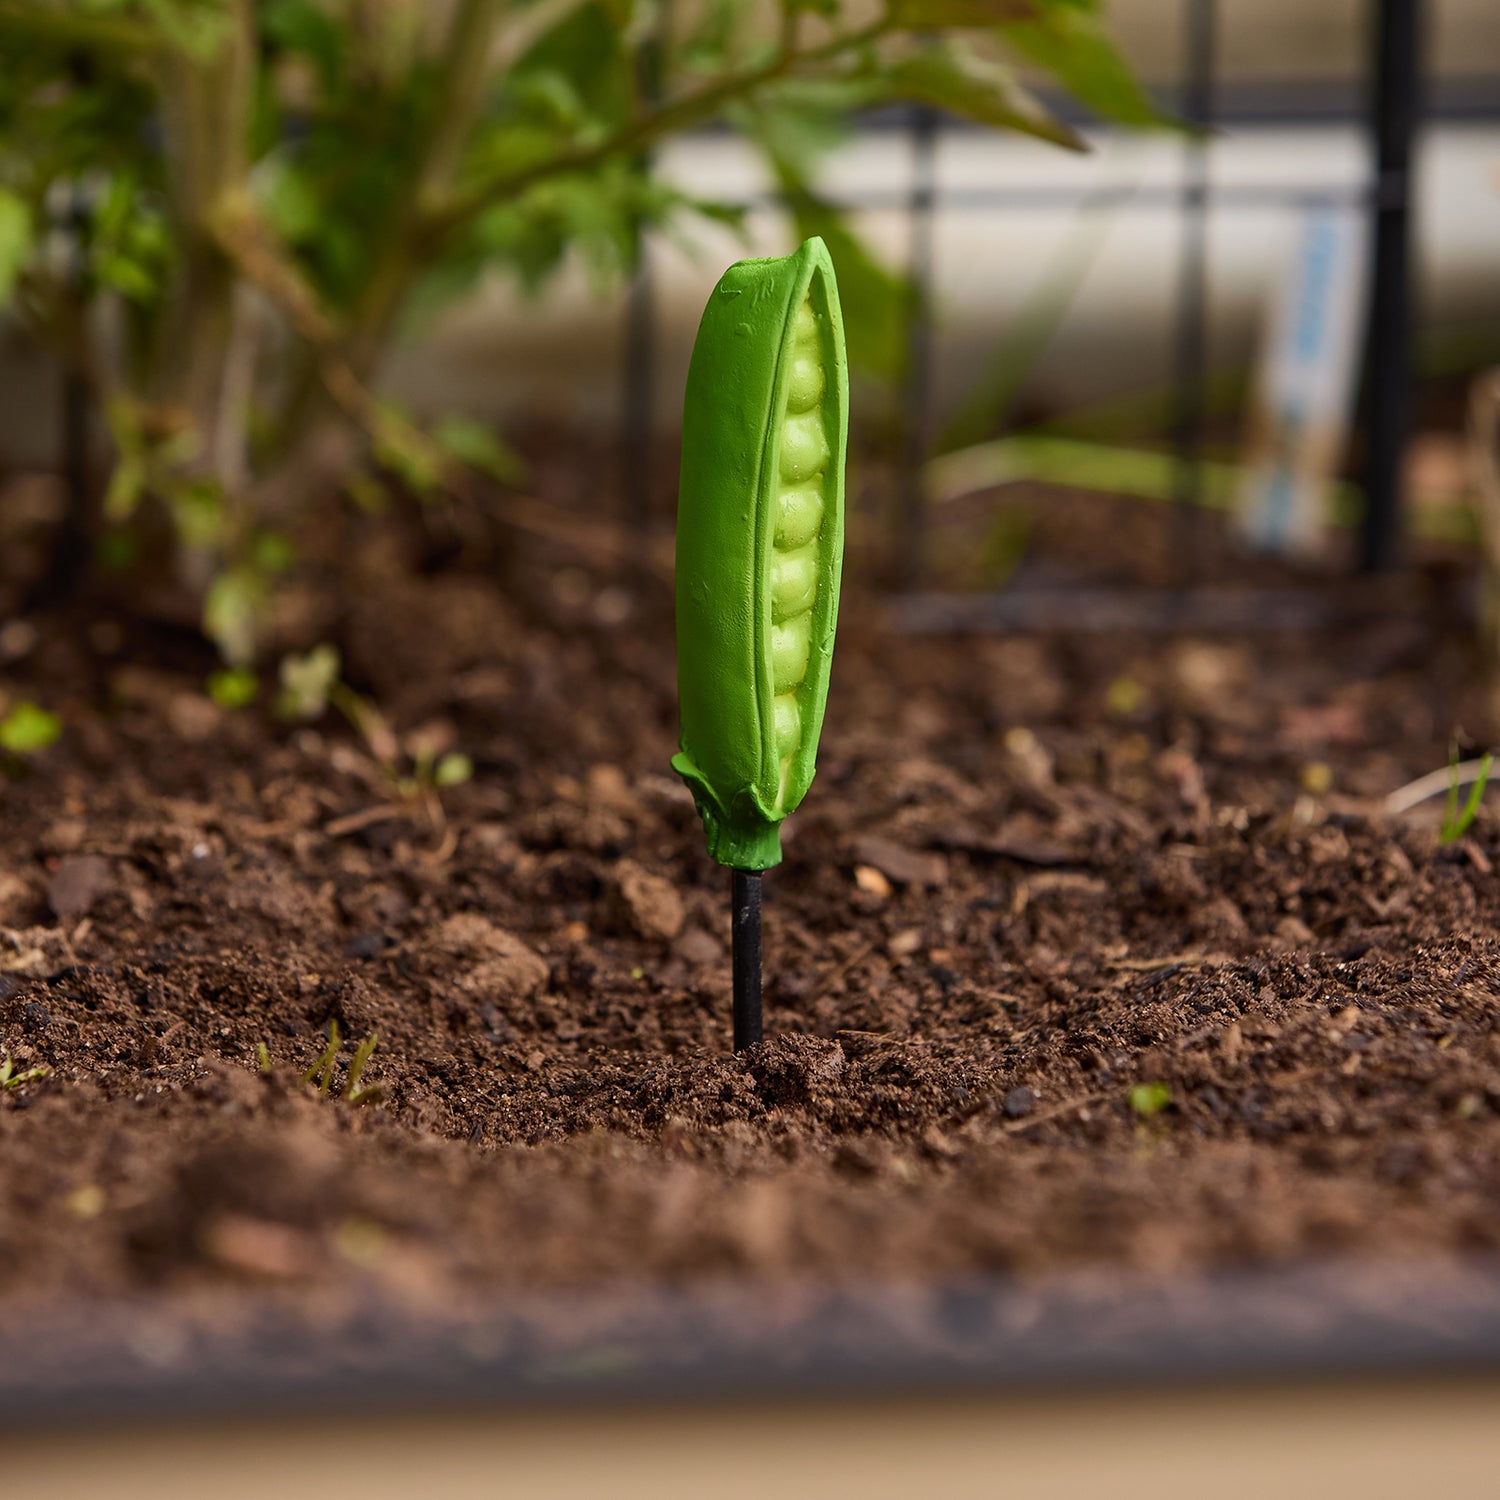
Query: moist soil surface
<point>1089,951</point>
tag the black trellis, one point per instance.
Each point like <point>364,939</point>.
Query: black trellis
<point>1391,111</point>
<point>1393,121</point>
<point>1190,354</point>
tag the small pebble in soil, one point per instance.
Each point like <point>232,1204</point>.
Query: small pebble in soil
<point>1019,1103</point>
<point>77,883</point>
<point>645,903</point>
<point>36,1017</point>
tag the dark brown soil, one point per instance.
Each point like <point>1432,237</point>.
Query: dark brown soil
<point>1088,951</point>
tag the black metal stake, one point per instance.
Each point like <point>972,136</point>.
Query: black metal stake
<point>1388,351</point>
<point>911,526</point>
<point>744,901</point>
<point>638,369</point>
<point>74,543</point>
<point>1191,354</point>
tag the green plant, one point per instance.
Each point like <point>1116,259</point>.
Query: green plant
<point>10,1079</point>
<point>760,538</point>
<point>1149,1099</point>
<point>233,687</point>
<point>324,1066</point>
<point>1457,820</point>
<point>263,194</point>
<point>26,729</point>
<point>409,771</point>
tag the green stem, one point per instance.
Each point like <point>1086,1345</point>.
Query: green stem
<point>465,72</point>
<point>689,109</point>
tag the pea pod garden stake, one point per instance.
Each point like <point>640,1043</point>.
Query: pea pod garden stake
<point>760,540</point>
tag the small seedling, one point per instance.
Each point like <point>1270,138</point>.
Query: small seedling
<point>306,682</point>
<point>760,534</point>
<point>409,771</point>
<point>233,687</point>
<point>1149,1099</point>
<point>372,1094</point>
<point>322,1069</point>
<point>10,1079</point>
<point>1457,820</point>
<point>27,730</point>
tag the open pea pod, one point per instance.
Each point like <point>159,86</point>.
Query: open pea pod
<point>760,540</point>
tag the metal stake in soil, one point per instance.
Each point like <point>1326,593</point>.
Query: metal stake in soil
<point>744,902</point>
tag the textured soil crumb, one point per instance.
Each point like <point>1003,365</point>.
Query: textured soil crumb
<point>1088,951</point>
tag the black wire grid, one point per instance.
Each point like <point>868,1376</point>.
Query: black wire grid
<point>1390,110</point>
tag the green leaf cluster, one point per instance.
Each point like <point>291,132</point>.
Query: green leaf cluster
<point>264,195</point>
<point>1458,819</point>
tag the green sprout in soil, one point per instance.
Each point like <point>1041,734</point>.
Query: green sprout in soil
<point>322,1070</point>
<point>10,1079</point>
<point>233,687</point>
<point>1149,1102</point>
<point>28,730</point>
<point>409,772</point>
<point>1457,820</point>
<point>1149,1099</point>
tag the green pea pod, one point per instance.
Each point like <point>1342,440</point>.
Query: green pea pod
<point>760,541</point>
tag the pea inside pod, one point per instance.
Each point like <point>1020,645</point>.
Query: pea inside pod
<point>760,531</point>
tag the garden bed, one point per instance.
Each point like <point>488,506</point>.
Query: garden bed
<point>1092,954</point>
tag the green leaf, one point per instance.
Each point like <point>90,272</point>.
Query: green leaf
<point>1150,1099</point>
<point>130,279</point>
<point>709,45</point>
<point>367,493</point>
<point>116,550</point>
<point>291,203</point>
<point>127,483</point>
<point>233,687</point>
<point>15,240</point>
<point>307,28</point>
<point>27,729</point>
<point>307,681</point>
<point>198,27</point>
<point>197,507</point>
<point>453,770</point>
<point>477,445</point>
<point>402,449</point>
<point>1456,820</point>
<point>584,53</point>
<point>272,551</point>
<point>1071,43</point>
<point>948,76</point>
<point>233,609</point>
